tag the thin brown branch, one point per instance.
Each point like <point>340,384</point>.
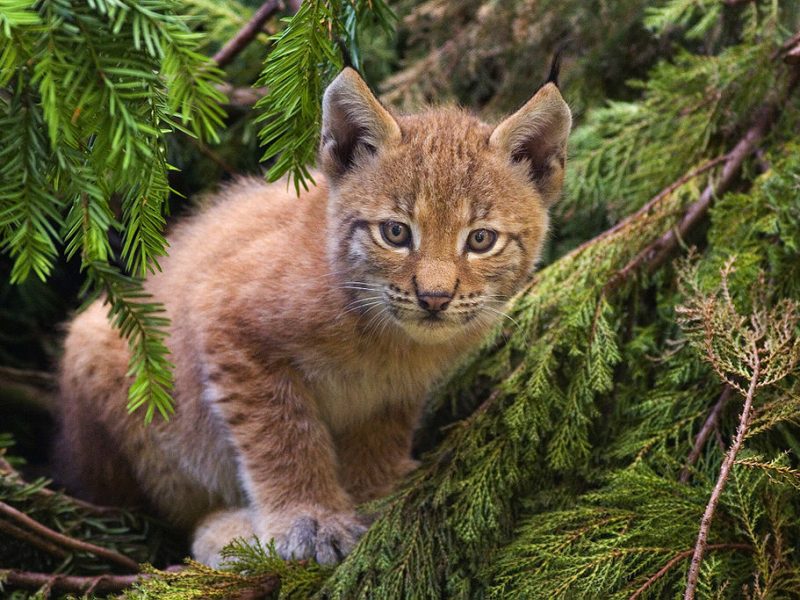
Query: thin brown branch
<point>241,97</point>
<point>214,157</point>
<point>35,388</point>
<point>66,541</point>
<point>790,50</point>
<point>724,472</point>
<point>654,255</point>
<point>37,542</point>
<point>87,506</point>
<point>70,583</point>
<point>247,33</point>
<point>652,203</point>
<point>660,249</point>
<point>677,559</point>
<point>6,468</point>
<point>708,428</point>
<point>259,587</point>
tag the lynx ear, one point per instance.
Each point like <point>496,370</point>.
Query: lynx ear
<point>354,124</point>
<point>537,134</point>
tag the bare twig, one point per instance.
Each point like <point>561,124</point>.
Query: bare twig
<point>241,97</point>
<point>790,50</point>
<point>70,583</point>
<point>66,541</point>
<point>27,536</point>
<point>214,156</point>
<point>708,428</point>
<point>677,559</point>
<point>8,471</point>
<point>36,387</point>
<point>652,203</point>
<point>247,33</point>
<point>257,587</point>
<point>6,468</point>
<point>724,472</point>
<point>87,506</point>
<point>659,250</point>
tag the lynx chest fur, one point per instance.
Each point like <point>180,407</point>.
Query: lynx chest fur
<point>307,332</point>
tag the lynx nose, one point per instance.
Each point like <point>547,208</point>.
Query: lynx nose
<point>434,301</point>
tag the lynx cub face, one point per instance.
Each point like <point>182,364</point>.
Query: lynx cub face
<point>437,219</point>
<point>307,332</point>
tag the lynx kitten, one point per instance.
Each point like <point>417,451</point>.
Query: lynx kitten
<point>306,332</point>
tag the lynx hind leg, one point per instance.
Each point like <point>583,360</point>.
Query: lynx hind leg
<point>216,531</point>
<point>88,455</point>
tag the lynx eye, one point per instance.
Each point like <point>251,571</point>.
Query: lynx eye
<point>396,234</point>
<point>481,240</point>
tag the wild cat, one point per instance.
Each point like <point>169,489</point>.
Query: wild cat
<point>306,332</point>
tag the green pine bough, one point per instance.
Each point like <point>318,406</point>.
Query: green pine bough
<point>584,443</point>
<point>307,54</point>
<point>89,92</point>
<point>563,481</point>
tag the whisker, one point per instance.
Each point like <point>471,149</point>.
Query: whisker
<point>363,306</point>
<point>502,314</point>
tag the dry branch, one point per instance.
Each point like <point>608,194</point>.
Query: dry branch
<point>35,541</point>
<point>66,541</point>
<point>247,33</point>
<point>708,427</point>
<point>651,204</point>
<point>241,97</point>
<point>70,583</point>
<point>724,472</point>
<point>677,559</point>
<point>260,587</point>
<point>36,388</point>
<point>654,255</point>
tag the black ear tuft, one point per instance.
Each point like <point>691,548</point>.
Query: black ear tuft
<point>555,68</point>
<point>347,56</point>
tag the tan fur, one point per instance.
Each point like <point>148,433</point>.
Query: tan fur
<point>302,356</point>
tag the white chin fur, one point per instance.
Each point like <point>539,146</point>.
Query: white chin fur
<point>425,333</point>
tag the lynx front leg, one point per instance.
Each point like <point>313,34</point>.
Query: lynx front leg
<point>375,455</point>
<point>287,461</point>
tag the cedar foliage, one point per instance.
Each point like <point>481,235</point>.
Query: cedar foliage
<point>575,453</point>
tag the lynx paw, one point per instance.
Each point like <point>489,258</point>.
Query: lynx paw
<point>326,539</point>
<point>216,531</point>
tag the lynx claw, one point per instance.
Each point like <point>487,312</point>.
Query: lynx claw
<point>326,540</point>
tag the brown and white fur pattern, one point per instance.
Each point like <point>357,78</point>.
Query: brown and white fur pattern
<point>304,342</point>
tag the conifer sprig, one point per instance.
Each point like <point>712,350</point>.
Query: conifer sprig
<point>90,90</point>
<point>305,56</point>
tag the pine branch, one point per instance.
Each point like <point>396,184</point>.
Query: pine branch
<point>247,33</point>
<point>651,204</point>
<point>708,428</point>
<point>727,464</point>
<point>66,541</point>
<point>142,323</point>
<point>660,249</point>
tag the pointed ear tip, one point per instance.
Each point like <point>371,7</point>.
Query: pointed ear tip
<point>550,88</point>
<point>349,74</point>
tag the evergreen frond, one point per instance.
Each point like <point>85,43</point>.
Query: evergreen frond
<point>305,56</point>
